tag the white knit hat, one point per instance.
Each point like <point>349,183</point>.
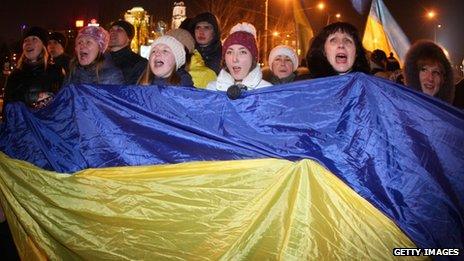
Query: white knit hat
<point>176,47</point>
<point>284,50</point>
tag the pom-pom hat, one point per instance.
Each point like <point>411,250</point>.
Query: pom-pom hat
<point>243,34</point>
<point>100,35</point>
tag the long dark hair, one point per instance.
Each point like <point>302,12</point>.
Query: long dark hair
<point>425,51</point>
<point>317,61</point>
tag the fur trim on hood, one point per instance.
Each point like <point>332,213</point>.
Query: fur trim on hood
<point>428,50</point>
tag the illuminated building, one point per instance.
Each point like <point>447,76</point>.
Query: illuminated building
<point>178,14</point>
<point>140,19</point>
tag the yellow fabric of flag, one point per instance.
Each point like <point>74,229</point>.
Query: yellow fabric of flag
<point>383,32</point>
<point>303,28</point>
<point>375,37</point>
<point>248,209</point>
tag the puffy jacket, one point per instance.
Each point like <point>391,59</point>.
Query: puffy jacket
<point>201,74</point>
<point>26,83</point>
<point>107,74</point>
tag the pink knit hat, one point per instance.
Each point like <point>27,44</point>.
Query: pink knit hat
<point>243,34</point>
<point>100,35</point>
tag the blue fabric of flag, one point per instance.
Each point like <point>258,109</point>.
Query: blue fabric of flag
<point>401,150</point>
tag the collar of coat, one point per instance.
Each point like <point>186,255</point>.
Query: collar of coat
<point>251,81</point>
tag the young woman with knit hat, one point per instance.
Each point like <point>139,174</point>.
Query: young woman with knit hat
<point>92,65</point>
<point>240,61</point>
<point>35,80</point>
<point>166,64</point>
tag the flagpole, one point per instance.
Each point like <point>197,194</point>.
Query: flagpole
<point>266,10</point>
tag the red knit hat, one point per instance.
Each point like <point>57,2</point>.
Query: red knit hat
<point>243,34</point>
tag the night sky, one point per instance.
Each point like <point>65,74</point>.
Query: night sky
<point>410,14</point>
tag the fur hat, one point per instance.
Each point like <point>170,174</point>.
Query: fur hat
<point>177,48</point>
<point>59,37</point>
<point>128,27</point>
<point>184,37</point>
<point>243,34</point>
<point>39,32</point>
<point>284,50</point>
<point>98,34</point>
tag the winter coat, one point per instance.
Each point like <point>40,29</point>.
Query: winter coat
<point>185,79</point>
<point>459,95</point>
<point>212,55</point>
<point>107,74</point>
<point>62,61</point>
<point>254,80</point>
<point>300,74</point>
<point>131,64</point>
<point>25,84</point>
<point>201,75</point>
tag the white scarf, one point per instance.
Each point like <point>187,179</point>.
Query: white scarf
<point>251,81</point>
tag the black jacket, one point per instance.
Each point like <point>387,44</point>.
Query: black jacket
<point>131,64</point>
<point>25,84</point>
<point>185,79</point>
<point>62,61</point>
<point>212,54</point>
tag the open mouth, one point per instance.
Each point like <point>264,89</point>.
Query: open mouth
<point>429,86</point>
<point>236,69</point>
<point>158,63</point>
<point>83,55</point>
<point>341,58</point>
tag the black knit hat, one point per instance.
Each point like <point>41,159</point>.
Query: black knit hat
<point>59,37</point>
<point>128,27</point>
<point>41,33</point>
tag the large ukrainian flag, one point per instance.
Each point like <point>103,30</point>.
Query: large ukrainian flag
<point>342,167</point>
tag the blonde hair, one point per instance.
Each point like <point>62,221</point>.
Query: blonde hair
<point>99,60</point>
<point>43,57</point>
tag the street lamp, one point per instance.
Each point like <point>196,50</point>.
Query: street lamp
<point>431,15</point>
<point>337,16</point>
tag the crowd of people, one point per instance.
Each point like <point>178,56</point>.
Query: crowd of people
<point>194,56</point>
